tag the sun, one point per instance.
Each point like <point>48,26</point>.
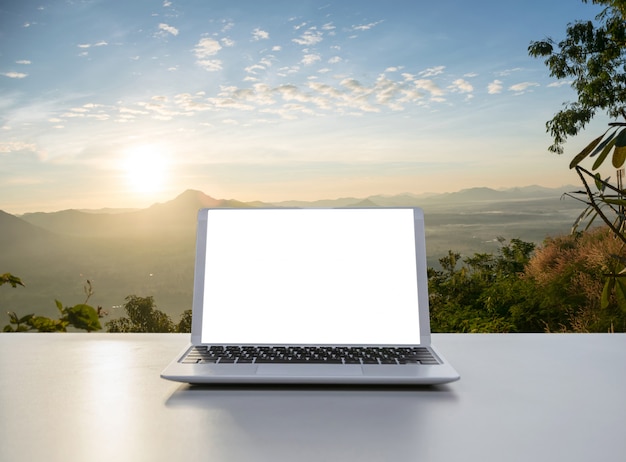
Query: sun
<point>146,168</point>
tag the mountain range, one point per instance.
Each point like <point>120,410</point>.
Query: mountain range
<point>180,212</point>
<point>151,251</point>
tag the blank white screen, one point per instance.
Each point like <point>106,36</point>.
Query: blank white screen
<point>310,276</point>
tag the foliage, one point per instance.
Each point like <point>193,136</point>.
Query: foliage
<point>477,295</point>
<point>568,274</point>
<point>8,278</point>
<point>593,55</point>
<point>557,287</point>
<point>142,317</point>
<point>80,316</point>
<point>185,322</point>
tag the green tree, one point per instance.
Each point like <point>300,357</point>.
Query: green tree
<point>593,54</point>
<point>476,294</point>
<point>568,274</point>
<point>185,322</point>
<point>80,316</point>
<point>142,317</point>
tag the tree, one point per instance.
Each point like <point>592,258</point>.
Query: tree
<point>80,316</point>
<point>568,275</point>
<point>476,294</point>
<point>142,317</point>
<point>185,322</point>
<point>594,56</point>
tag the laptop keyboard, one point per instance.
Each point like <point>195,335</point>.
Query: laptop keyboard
<point>308,355</point>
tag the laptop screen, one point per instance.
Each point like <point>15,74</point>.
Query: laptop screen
<point>310,276</point>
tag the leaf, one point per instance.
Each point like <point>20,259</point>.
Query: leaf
<point>620,202</point>
<point>585,152</point>
<point>606,292</point>
<point>44,324</point>
<point>619,156</point>
<point>602,145</point>
<point>13,317</point>
<point>8,278</point>
<point>84,317</point>
<point>600,184</point>
<point>620,141</point>
<point>59,306</point>
<point>605,152</point>
<point>583,216</point>
<point>25,319</point>
<point>620,292</point>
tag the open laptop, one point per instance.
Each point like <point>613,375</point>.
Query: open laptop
<point>313,295</point>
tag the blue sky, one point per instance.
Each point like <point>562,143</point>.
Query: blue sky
<point>122,104</point>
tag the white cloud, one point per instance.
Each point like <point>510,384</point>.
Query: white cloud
<point>364,27</point>
<point>506,72</point>
<point>258,34</point>
<point>310,37</point>
<point>354,85</point>
<point>432,71</point>
<point>495,87</point>
<point>385,91</point>
<point>211,65</point>
<point>15,146</point>
<point>310,58</point>
<point>429,86</point>
<point>23,61</point>
<point>101,43</point>
<point>255,67</point>
<point>334,60</point>
<point>462,86</point>
<point>14,75</point>
<point>166,4</point>
<point>560,83</point>
<point>523,86</point>
<point>206,47</point>
<point>168,29</point>
<point>227,42</point>
<point>277,48</point>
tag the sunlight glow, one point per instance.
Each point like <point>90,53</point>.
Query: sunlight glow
<point>146,168</point>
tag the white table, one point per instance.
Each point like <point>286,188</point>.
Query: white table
<point>527,397</point>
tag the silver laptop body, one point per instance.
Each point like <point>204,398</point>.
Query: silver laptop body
<point>313,295</point>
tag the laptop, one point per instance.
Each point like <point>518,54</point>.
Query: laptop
<point>310,295</point>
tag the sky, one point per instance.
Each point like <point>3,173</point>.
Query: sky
<point>109,103</point>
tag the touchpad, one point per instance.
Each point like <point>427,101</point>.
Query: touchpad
<point>309,370</point>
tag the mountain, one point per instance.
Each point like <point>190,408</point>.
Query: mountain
<point>16,230</point>
<point>179,215</point>
<point>175,216</point>
<point>151,251</point>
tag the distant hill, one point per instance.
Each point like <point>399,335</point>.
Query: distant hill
<point>177,215</point>
<point>14,229</point>
<point>151,251</point>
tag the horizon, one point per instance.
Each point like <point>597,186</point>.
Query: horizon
<point>425,195</point>
<point>118,105</point>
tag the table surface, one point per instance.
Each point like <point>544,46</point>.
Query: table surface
<point>521,397</point>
